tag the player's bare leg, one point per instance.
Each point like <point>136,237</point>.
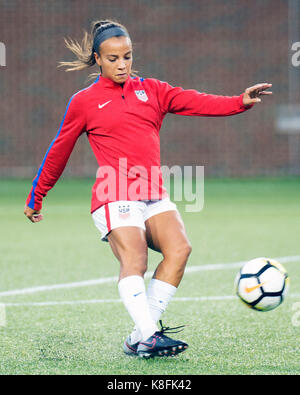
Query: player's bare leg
<point>165,233</point>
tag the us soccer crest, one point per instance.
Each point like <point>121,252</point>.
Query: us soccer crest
<point>141,95</point>
<point>124,211</point>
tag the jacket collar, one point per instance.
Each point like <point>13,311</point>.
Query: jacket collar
<point>108,83</point>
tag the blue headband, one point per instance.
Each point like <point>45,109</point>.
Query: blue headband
<point>114,31</point>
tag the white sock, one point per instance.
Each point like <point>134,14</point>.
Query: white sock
<point>159,294</point>
<point>133,294</point>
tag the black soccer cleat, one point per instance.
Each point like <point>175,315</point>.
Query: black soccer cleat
<point>160,345</point>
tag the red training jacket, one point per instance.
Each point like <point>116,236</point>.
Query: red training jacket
<point>122,124</point>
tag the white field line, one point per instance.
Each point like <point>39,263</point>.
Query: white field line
<point>106,301</point>
<point>87,283</point>
<point>59,286</point>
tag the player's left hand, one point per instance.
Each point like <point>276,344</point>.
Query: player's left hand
<point>252,94</point>
<point>33,215</point>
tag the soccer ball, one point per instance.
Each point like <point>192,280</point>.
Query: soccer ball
<point>262,284</point>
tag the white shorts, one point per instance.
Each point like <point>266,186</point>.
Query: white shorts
<point>128,213</point>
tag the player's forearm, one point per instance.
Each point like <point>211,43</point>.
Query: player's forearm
<point>45,179</point>
<point>194,103</point>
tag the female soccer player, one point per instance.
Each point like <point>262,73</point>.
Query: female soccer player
<point>122,113</point>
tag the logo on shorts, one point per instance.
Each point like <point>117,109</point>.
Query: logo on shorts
<point>141,95</point>
<point>124,211</point>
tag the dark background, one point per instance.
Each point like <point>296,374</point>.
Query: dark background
<point>219,47</point>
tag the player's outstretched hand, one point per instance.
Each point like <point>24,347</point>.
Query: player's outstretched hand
<point>33,215</point>
<point>252,94</point>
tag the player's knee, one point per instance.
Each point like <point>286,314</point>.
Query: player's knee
<point>181,253</point>
<point>187,250</point>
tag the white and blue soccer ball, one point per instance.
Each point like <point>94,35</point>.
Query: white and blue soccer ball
<point>262,284</point>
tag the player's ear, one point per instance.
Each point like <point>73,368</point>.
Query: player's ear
<point>97,58</point>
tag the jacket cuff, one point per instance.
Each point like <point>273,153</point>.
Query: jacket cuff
<point>35,205</point>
